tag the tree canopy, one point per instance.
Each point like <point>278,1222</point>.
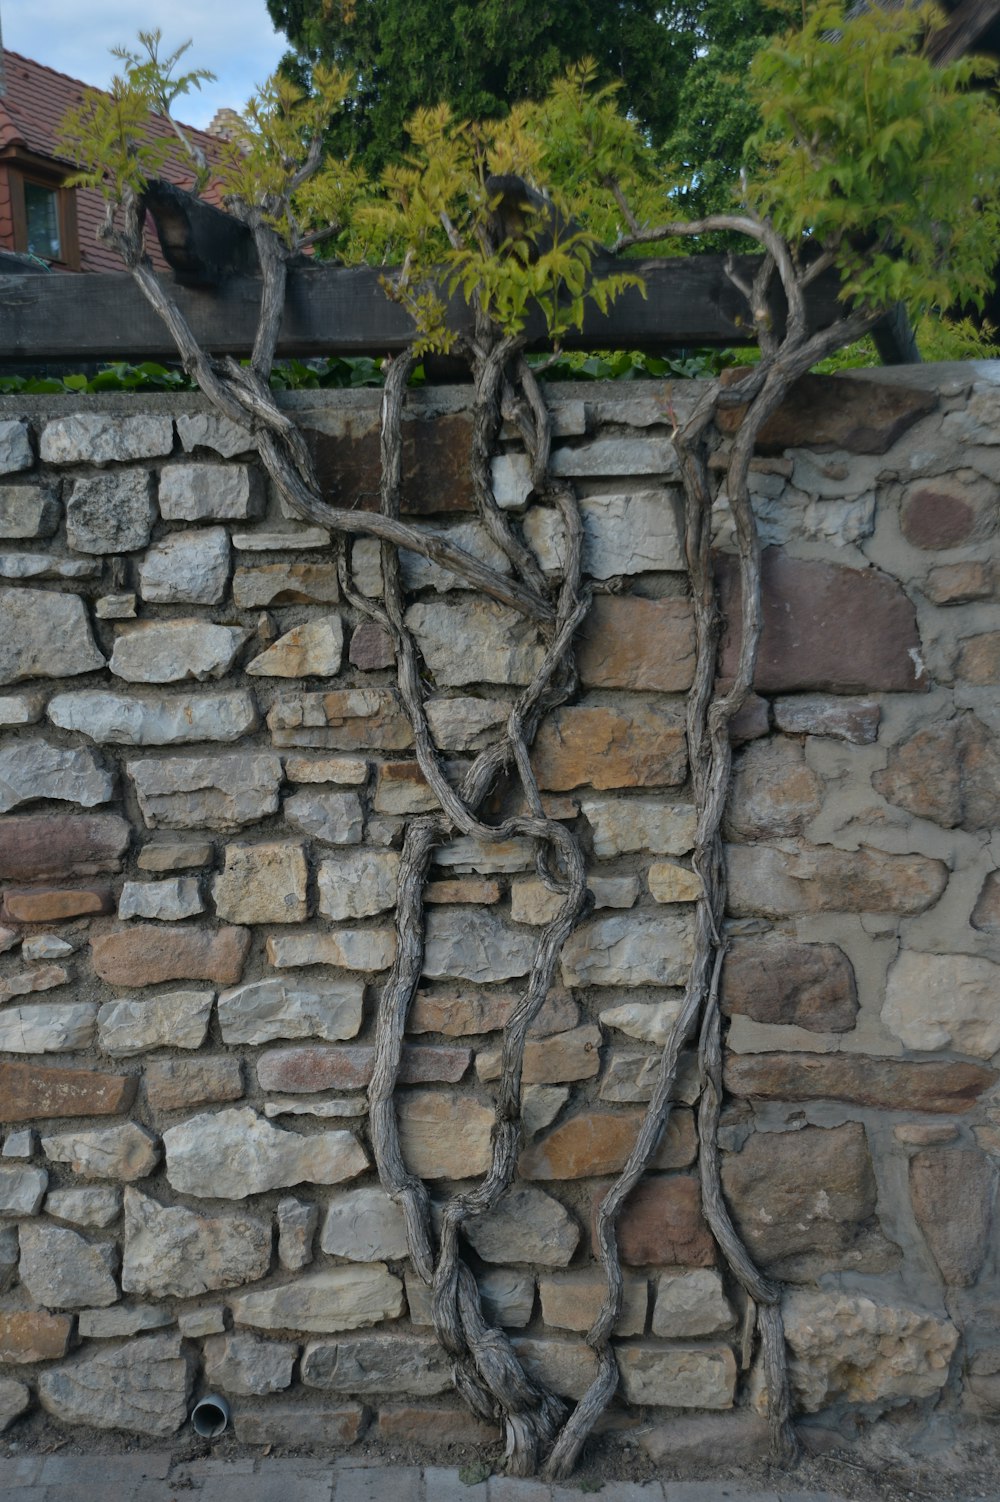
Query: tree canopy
<point>481,56</point>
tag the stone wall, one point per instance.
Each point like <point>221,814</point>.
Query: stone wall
<point>204,776</point>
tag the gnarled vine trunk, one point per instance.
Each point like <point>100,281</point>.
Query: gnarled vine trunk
<point>539,1434</point>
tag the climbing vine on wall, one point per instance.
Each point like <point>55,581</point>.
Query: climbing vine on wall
<point>515,216</point>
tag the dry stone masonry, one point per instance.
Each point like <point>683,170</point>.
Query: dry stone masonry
<point>205,773</point>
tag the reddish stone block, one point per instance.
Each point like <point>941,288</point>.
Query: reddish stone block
<point>371,647</point>
<point>34,847</point>
<point>661,1224</point>
<point>946,512</point>
<point>144,954</point>
<point>435,462</point>
<point>887,1084</point>
<point>303,1070</point>
<point>781,982</point>
<point>52,904</point>
<point>826,627</point>
<point>30,1092</point>
<point>835,412</point>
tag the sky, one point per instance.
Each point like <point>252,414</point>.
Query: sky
<point>235,39</point>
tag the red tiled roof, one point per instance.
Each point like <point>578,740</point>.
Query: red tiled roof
<point>31,111</point>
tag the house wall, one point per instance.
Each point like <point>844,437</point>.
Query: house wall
<point>204,778</point>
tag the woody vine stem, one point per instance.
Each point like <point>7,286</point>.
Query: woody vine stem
<point>539,1432</point>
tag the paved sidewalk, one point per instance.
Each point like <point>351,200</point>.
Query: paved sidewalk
<point>151,1477</point>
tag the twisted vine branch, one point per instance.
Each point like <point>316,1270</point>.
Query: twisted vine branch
<point>486,1370</point>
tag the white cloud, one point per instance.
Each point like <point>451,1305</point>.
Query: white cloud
<point>236,41</point>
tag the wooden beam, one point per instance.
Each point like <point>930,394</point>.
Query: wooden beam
<point>337,310</point>
<point>962,30</point>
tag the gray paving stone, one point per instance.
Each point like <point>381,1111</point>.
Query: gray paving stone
<point>713,1491</point>
<point>614,1491</point>
<point>21,1470</point>
<point>214,1467</point>
<point>273,1483</point>
<point>514,1489</point>
<point>377,1484</point>
<point>443,1484</point>
<point>109,1471</point>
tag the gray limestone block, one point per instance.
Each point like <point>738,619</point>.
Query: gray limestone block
<point>208,431</point>
<point>187,568</point>
<point>35,768</point>
<point>141,1386</point>
<point>14,1399</point>
<point>104,438</point>
<point>248,1366</point>
<point>172,1252</point>
<point>22,1189</point>
<point>297,1223</point>
<point>155,720</point>
<point>15,447</point>
<point>111,513</point>
<point>62,1270</point>
<point>30,510</point>
<point>45,635</point>
<point>210,492</point>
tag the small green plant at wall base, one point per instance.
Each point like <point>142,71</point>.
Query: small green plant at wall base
<point>475,1473</point>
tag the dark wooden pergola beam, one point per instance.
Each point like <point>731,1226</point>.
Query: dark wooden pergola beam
<point>965,27</point>
<point>337,310</point>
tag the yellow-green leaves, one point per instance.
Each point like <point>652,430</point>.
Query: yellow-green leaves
<point>512,254</point>
<point>108,136</point>
<point>872,151</point>
<point>262,166</point>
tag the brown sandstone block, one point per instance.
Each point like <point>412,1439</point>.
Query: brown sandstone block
<point>826,627</point>
<point>172,1084</point>
<point>661,1224</point>
<point>957,583</point>
<point>463,889</point>
<point>343,720</point>
<point>415,1424</point>
<point>887,1084</point>
<point>461,1013</point>
<point>949,773</point>
<point>300,1425</point>
<point>33,1335</point>
<point>61,846</point>
<point>51,904</point>
<point>32,1091</point>
<point>979,659</point>
<point>146,953</point>
<point>986,913</point>
<point>629,642</point>
<point>790,877</point>
<point>610,748</point>
<point>804,1201</point>
<point>593,1143</point>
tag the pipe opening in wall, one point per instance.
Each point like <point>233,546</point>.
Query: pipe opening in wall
<point>210,1416</point>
